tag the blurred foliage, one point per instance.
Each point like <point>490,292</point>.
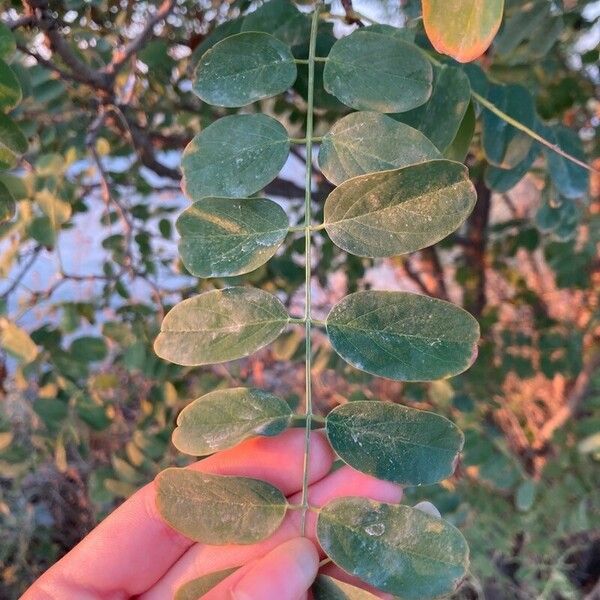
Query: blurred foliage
<point>87,409</point>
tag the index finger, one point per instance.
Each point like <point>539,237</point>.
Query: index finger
<point>133,547</point>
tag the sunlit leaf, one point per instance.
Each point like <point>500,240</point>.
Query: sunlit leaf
<point>504,145</point>
<point>394,442</point>
<point>281,19</point>
<point>370,71</point>
<point>195,589</point>
<point>220,325</point>
<point>403,336</point>
<point>16,342</point>
<point>235,156</point>
<point>463,29</point>
<point>221,237</point>
<point>440,117</point>
<point>11,136</point>
<point>398,549</point>
<point>399,211</point>
<point>10,88</point>
<point>328,588</point>
<point>218,509</point>
<point>223,418</point>
<point>244,68</point>
<point>364,142</point>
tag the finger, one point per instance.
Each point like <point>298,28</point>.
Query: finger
<point>337,573</point>
<point>285,573</point>
<point>131,549</point>
<point>201,559</point>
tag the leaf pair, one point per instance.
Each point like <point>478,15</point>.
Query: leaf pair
<point>398,335</point>
<point>385,440</point>
<point>398,549</point>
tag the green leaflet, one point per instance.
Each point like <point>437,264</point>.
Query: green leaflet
<point>8,205</point>
<point>244,68</point>
<point>221,237</point>
<point>398,549</point>
<point>220,325</point>
<point>88,348</point>
<point>281,19</point>
<point>195,589</point>
<point>218,509</point>
<point>399,211</point>
<point>403,336</point>
<point>364,142</point>
<point>459,148</point>
<point>371,71</point>
<point>440,117</point>
<point>10,88</point>
<point>328,588</point>
<point>463,29</point>
<point>502,180</point>
<point>8,44</point>
<point>394,442</point>
<point>235,156</point>
<point>223,418</point>
<point>570,179</point>
<point>11,136</point>
<point>504,145</point>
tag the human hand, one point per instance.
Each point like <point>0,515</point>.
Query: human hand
<point>134,553</point>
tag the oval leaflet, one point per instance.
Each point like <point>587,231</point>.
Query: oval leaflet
<point>223,418</point>
<point>220,325</point>
<point>403,336</point>
<point>222,237</point>
<point>244,68</point>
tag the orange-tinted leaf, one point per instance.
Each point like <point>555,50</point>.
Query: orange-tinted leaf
<point>463,29</point>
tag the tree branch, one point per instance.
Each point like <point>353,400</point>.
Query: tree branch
<point>122,56</point>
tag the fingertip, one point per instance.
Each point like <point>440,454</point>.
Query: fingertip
<point>286,572</point>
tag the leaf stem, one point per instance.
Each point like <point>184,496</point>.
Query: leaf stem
<point>518,125</point>
<point>530,132</point>
<point>303,140</point>
<point>307,266</point>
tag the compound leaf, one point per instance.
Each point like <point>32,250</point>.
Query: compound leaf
<point>371,71</point>
<point>403,336</point>
<point>192,590</point>
<point>394,442</point>
<point>223,418</point>
<point>463,29</point>
<point>221,237</point>
<point>398,549</point>
<point>220,325</point>
<point>365,142</point>
<point>399,211</point>
<point>440,117</point>
<point>244,68</point>
<point>235,156</point>
<point>218,509</point>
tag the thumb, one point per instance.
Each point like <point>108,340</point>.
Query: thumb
<point>285,573</point>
